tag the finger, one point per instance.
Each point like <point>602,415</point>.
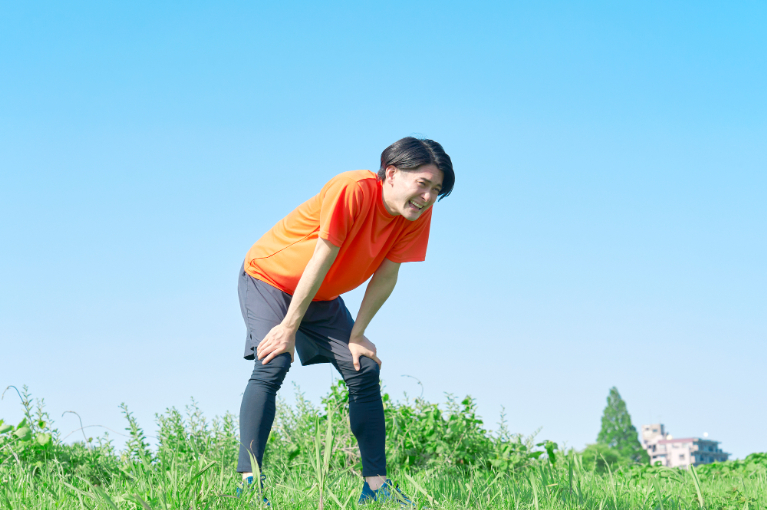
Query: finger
<point>271,356</point>
<point>356,361</point>
<point>261,345</point>
<point>264,350</point>
<point>266,341</point>
<point>375,358</point>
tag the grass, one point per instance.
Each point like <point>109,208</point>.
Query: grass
<point>193,468</point>
<point>208,483</point>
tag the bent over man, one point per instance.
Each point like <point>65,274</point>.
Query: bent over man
<point>360,225</point>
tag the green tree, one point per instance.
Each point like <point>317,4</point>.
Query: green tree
<point>617,431</point>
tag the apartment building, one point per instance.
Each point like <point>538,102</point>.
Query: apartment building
<point>672,452</point>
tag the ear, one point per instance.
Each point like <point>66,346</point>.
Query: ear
<point>391,170</point>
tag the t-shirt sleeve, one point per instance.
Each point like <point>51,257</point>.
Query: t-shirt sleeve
<point>341,203</point>
<point>411,246</point>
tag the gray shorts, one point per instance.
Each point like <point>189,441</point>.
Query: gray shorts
<point>323,335</point>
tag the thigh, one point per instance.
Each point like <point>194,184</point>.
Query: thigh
<point>262,307</point>
<point>324,333</point>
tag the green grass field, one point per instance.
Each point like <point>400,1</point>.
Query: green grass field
<point>441,457</point>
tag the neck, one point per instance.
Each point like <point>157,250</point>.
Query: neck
<point>386,199</point>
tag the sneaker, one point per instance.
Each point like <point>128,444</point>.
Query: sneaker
<point>250,482</point>
<point>387,492</point>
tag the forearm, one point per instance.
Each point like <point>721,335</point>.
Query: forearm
<point>378,291</point>
<point>309,283</point>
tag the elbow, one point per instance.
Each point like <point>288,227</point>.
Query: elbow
<point>388,278</point>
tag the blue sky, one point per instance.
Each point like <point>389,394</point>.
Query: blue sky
<point>607,227</point>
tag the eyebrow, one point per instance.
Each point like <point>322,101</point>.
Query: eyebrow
<point>427,180</point>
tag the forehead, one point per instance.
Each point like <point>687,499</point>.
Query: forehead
<point>429,173</point>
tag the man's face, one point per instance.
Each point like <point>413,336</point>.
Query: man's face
<point>409,193</point>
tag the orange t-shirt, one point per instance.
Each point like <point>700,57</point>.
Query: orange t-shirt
<point>349,213</point>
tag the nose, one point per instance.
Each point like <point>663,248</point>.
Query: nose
<point>427,196</point>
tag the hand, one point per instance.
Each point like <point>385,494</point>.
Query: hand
<point>280,339</point>
<point>361,346</point>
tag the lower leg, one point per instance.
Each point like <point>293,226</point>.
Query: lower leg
<point>258,410</point>
<point>369,427</point>
<point>366,418</point>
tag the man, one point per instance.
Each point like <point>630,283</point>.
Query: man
<point>360,225</point>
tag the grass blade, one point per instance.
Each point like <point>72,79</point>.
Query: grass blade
<point>328,441</point>
<point>198,474</point>
<point>7,501</point>
<point>256,470</point>
<point>535,493</point>
<point>419,488</point>
<point>317,446</point>
<point>75,488</point>
<point>105,497</point>
<point>612,485</point>
<point>696,481</point>
<point>334,498</point>
<point>318,462</point>
<point>352,493</point>
<point>141,502</point>
<point>469,486</point>
<point>656,483</point>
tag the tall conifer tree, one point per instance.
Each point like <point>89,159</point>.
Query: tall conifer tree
<point>618,432</point>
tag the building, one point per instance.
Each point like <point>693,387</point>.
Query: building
<point>672,452</point>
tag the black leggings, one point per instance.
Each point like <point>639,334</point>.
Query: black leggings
<point>365,411</point>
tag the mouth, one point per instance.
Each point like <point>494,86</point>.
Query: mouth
<point>416,206</point>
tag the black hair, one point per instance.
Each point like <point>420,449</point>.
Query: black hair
<point>410,153</point>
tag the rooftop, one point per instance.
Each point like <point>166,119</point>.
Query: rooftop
<point>686,440</point>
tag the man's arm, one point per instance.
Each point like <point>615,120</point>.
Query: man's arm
<point>378,291</point>
<point>282,338</point>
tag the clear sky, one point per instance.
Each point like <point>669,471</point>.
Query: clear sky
<point>607,228</point>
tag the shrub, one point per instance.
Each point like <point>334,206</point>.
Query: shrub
<point>420,436</point>
<point>596,457</point>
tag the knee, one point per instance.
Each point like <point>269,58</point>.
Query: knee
<point>369,367</point>
<point>364,384</point>
<point>273,373</point>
